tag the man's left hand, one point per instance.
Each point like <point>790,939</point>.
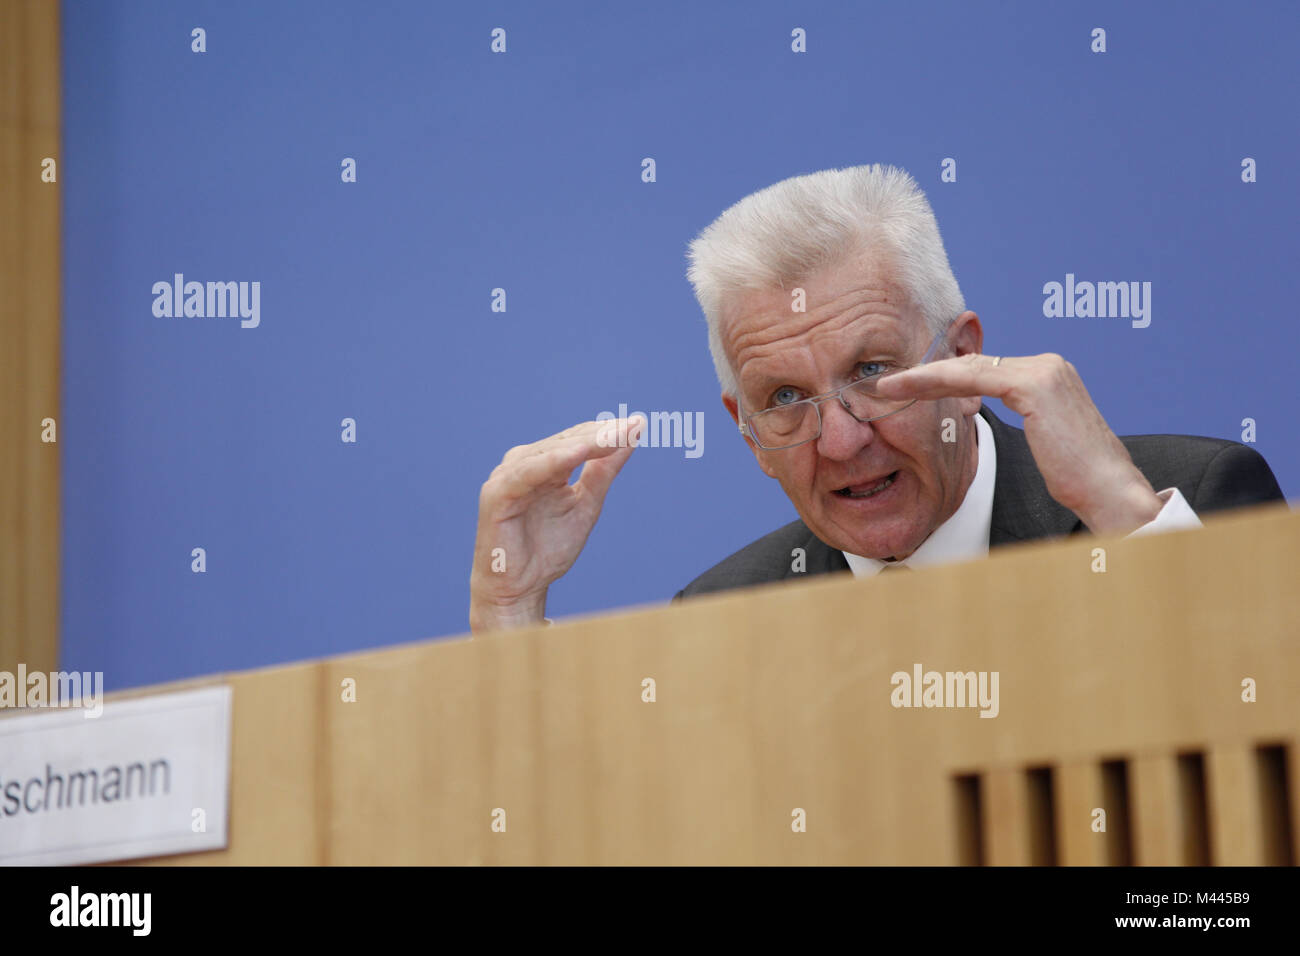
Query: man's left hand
<point>1086,467</point>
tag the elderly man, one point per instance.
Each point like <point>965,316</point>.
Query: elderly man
<point>855,373</point>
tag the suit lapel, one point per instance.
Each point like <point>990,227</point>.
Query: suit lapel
<point>822,558</point>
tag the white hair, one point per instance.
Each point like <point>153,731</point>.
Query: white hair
<point>781,235</point>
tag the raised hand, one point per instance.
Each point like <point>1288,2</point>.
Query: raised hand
<point>1084,464</point>
<point>532,524</point>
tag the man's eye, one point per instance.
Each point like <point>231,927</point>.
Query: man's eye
<point>874,368</point>
<point>784,396</point>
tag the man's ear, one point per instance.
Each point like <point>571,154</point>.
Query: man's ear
<point>733,409</point>
<point>967,334</point>
<point>967,337</point>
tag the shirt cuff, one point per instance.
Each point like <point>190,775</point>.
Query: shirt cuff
<point>1175,515</point>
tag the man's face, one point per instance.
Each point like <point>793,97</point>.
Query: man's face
<point>855,314</point>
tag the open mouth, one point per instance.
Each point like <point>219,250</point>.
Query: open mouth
<point>867,490</point>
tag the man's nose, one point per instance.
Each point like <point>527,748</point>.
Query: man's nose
<point>843,436</point>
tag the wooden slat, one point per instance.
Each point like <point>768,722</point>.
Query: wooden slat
<point>1078,793</point>
<point>1159,820</point>
<point>1234,801</point>
<point>1006,817</point>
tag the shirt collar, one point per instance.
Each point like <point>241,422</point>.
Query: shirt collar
<point>962,537</point>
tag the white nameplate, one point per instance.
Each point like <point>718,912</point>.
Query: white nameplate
<point>147,777</point>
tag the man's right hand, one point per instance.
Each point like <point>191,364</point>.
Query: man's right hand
<point>532,523</point>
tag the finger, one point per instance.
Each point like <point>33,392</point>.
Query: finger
<point>599,473</point>
<point>550,467</point>
<point>545,470</point>
<point>621,432</point>
<point>599,437</point>
<point>583,431</point>
<point>961,377</point>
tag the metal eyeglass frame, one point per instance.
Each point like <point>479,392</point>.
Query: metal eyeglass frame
<point>816,400</point>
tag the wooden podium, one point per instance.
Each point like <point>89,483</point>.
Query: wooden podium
<point>1119,691</point>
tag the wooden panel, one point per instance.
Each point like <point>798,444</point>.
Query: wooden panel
<point>280,787</point>
<point>29,333</point>
<point>781,698</point>
<point>423,797</point>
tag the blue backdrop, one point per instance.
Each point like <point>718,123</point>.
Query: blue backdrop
<point>521,170</point>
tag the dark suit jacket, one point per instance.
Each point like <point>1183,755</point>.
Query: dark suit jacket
<point>1213,474</point>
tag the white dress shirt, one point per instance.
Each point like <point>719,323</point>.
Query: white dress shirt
<point>966,534</point>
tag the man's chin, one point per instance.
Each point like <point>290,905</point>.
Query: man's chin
<point>881,546</point>
<point>882,553</point>
<point>874,534</point>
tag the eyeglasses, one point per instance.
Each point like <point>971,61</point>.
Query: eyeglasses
<point>787,426</point>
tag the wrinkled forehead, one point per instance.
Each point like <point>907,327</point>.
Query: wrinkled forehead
<point>818,297</point>
<point>847,309</point>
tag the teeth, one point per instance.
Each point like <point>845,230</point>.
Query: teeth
<point>871,491</point>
